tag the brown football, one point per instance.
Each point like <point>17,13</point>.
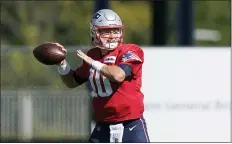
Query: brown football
<point>49,54</point>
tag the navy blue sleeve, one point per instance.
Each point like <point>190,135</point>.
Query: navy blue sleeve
<point>79,79</point>
<point>126,68</point>
<point>80,75</point>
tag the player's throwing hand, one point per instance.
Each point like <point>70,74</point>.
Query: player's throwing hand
<point>63,49</point>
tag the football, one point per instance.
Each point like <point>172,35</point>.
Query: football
<point>49,54</point>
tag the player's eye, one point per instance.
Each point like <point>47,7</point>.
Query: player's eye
<point>109,31</point>
<point>117,31</point>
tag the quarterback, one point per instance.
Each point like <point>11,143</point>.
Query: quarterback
<point>114,72</point>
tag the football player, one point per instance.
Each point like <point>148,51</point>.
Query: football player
<point>114,71</point>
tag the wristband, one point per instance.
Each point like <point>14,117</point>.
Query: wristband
<point>64,69</point>
<point>97,65</point>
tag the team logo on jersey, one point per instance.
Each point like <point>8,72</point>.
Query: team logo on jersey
<point>130,56</point>
<point>110,59</point>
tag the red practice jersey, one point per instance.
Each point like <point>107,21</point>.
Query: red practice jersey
<point>113,101</point>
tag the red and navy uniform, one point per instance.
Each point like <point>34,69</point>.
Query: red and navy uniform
<point>115,102</point>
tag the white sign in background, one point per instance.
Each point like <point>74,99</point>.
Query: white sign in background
<point>187,94</point>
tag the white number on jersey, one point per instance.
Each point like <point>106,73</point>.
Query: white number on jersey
<point>95,75</point>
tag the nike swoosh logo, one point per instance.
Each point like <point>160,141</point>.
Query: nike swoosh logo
<point>130,129</point>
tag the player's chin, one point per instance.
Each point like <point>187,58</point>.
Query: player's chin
<point>110,47</point>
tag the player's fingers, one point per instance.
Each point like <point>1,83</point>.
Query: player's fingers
<point>62,47</point>
<point>79,54</point>
<point>59,45</point>
<point>79,51</point>
<point>61,63</point>
<point>83,54</point>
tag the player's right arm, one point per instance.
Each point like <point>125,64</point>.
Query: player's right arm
<point>71,78</point>
<point>66,74</point>
<point>68,80</point>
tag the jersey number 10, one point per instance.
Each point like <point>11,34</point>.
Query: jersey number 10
<point>101,83</point>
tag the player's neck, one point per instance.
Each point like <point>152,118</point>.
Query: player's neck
<point>104,52</point>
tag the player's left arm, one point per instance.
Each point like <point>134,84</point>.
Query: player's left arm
<point>115,73</point>
<point>130,62</point>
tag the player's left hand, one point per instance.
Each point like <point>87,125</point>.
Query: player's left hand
<point>86,58</point>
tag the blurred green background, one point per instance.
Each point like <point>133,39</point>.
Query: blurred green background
<point>67,22</point>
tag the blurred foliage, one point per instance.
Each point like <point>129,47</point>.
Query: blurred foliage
<point>29,23</point>
<point>214,15</point>
<point>34,22</point>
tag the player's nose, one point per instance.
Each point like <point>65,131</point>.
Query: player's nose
<point>111,34</point>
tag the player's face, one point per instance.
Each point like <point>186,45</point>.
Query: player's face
<point>110,35</point>
<point>109,38</point>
